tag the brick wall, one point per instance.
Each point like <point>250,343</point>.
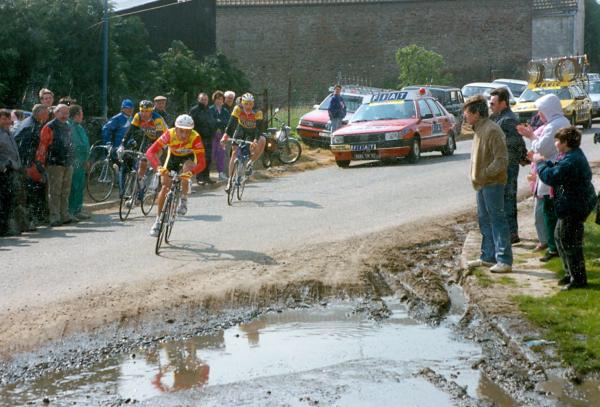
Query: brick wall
<point>312,43</point>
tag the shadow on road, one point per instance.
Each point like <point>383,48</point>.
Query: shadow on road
<point>204,218</point>
<point>271,203</point>
<point>200,251</point>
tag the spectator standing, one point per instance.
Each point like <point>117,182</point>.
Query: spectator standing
<point>551,114</point>
<point>160,107</point>
<point>55,152</point>
<point>571,178</point>
<point>27,137</point>
<point>337,108</point>
<point>46,97</point>
<point>220,117</point>
<point>517,154</point>
<point>81,154</point>
<point>10,165</point>
<point>17,116</point>
<point>489,158</point>
<point>115,129</point>
<point>229,102</point>
<point>204,125</point>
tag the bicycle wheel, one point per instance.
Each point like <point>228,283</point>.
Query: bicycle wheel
<point>233,184</point>
<point>128,198</point>
<point>290,151</point>
<point>172,215</point>
<point>149,196</point>
<point>241,179</point>
<point>100,181</point>
<point>164,220</point>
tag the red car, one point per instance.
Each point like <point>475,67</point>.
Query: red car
<point>314,126</point>
<point>392,125</point>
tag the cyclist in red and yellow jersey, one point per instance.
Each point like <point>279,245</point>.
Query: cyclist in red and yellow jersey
<point>186,152</point>
<point>245,123</point>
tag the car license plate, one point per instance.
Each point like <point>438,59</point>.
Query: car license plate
<point>363,147</point>
<point>325,134</point>
<point>365,156</point>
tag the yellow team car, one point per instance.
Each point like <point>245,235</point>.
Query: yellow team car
<point>576,104</point>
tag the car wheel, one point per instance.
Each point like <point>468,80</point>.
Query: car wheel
<point>343,163</point>
<point>450,146</point>
<point>415,151</point>
<point>588,123</point>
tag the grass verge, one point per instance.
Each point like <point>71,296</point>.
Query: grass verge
<point>572,318</point>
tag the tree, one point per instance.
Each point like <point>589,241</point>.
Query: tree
<point>420,66</point>
<point>592,34</point>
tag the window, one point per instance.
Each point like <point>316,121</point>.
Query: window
<point>435,108</point>
<point>424,109</point>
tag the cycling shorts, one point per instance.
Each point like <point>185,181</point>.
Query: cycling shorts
<point>175,162</point>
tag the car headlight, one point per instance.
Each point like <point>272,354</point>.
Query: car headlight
<point>307,123</point>
<point>392,135</point>
<point>337,140</point>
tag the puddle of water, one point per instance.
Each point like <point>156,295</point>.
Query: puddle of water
<point>325,353</point>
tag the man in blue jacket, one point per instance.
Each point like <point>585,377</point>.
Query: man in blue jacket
<point>337,108</point>
<point>115,129</point>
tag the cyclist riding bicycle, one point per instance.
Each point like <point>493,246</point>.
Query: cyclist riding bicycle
<point>146,127</point>
<point>185,151</point>
<point>245,123</point>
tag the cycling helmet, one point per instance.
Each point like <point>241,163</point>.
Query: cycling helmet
<point>127,104</point>
<point>247,98</point>
<point>146,105</point>
<point>184,121</point>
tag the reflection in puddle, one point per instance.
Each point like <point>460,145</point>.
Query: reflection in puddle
<point>343,357</point>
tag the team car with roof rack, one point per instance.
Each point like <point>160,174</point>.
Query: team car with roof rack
<point>393,125</point>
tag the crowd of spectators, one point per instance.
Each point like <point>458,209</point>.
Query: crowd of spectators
<point>44,156</point>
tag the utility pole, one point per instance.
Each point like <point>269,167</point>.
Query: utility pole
<point>105,63</point>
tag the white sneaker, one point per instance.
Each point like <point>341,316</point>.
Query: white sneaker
<point>182,208</point>
<point>249,168</point>
<point>501,268</point>
<point>478,263</point>
<point>155,228</point>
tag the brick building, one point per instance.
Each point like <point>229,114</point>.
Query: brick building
<point>312,41</point>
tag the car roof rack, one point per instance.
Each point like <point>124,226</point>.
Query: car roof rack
<point>560,71</point>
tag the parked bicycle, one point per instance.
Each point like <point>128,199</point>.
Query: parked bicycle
<point>102,174</point>
<point>280,144</point>
<point>134,189</point>
<point>238,177</point>
<point>169,211</point>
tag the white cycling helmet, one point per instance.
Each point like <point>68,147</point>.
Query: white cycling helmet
<point>184,121</point>
<point>247,98</point>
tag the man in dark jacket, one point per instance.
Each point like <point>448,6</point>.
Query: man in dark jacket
<point>10,166</point>
<point>517,154</point>
<point>160,107</point>
<point>55,152</point>
<point>337,108</point>
<point>28,140</point>
<point>204,125</point>
<point>571,178</point>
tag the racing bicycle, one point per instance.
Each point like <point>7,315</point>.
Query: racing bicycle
<point>238,178</point>
<point>169,211</point>
<point>134,189</point>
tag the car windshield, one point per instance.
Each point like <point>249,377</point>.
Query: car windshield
<point>385,111</point>
<point>469,91</point>
<point>531,95</point>
<point>594,87</point>
<point>515,88</point>
<point>352,103</point>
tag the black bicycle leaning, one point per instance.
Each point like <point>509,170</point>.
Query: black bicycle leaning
<point>169,211</point>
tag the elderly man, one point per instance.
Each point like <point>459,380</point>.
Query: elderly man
<point>10,164</point>
<point>229,102</point>
<point>517,154</point>
<point>56,152</point>
<point>489,159</point>
<point>28,140</point>
<point>160,107</point>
